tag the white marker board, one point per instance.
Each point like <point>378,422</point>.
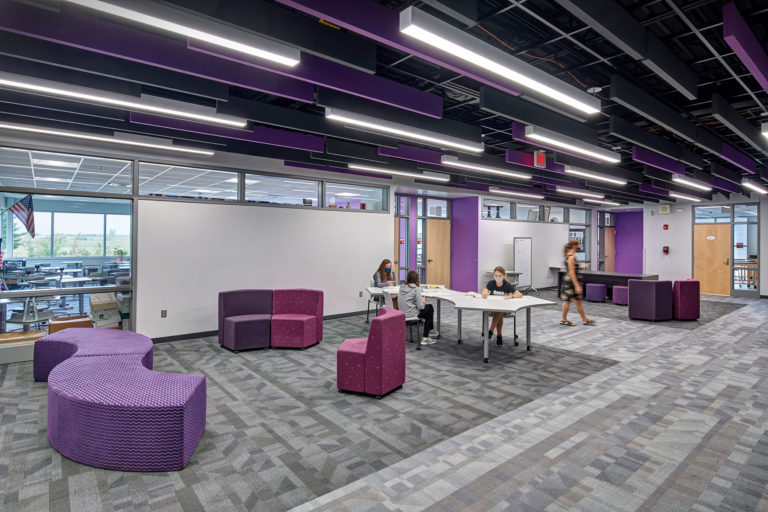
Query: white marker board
<point>523,262</point>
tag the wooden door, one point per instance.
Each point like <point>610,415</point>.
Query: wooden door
<point>610,249</point>
<point>712,257</point>
<point>438,252</point>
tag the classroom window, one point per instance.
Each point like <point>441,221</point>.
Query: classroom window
<point>265,189</point>
<point>745,213</point>
<point>712,214</point>
<point>166,180</point>
<point>420,207</point>
<point>419,242</point>
<point>527,212</point>
<point>355,197</point>
<point>554,214</point>
<point>437,208</point>
<point>579,216</point>
<point>493,209</point>
<point>403,205</point>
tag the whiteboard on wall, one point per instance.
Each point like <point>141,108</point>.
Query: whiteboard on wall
<point>523,260</point>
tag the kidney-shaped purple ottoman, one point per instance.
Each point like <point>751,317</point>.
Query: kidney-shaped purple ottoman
<point>111,412</point>
<point>650,300</point>
<point>84,342</point>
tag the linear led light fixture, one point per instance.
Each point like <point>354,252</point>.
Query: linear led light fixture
<point>401,130</point>
<point>580,193</point>
<point>456,42</point>
<point>191,25</point>
<point>102,138</point>
<point>381,170</point>
<point>764,130</point>
<point>598,201</point>
<point>687,182</point>
<point>754,186</point>
<point>496,190</point>
<point>88,95</point>
<point>570,144</point>
<point>594,176</point>
<point>453,161</point>
<point>683,196</point>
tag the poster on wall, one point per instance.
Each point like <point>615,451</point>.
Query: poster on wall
<point>577,234</point>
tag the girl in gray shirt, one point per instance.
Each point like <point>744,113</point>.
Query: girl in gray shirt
<point>412,304</point>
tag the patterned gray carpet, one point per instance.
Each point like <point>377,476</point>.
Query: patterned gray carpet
<point>278,433</point>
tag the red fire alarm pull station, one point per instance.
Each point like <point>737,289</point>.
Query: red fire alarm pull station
<point>540,158</point>
<point>665,249</point>
<point>666,227</point>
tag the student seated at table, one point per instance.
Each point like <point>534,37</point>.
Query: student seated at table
<point>384,276</point>
<point>413,304</point>
<point>499,285</point>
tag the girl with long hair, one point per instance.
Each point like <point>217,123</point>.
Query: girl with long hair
<point>413,304</point>
<point>571,288</point>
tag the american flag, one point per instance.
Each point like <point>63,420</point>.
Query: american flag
<point>24,211</point>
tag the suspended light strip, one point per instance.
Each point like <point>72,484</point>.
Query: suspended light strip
<point>754,186</point>
<point>428,29</point>
<point>764,130</point>
<point>431,177</point>
<point>570,144</point>
<point>453,161</point>
<point>496,190</point>
<point>577,192</point>
<point>593,176</point>
<point>101,138</point>
<point>88,95</point>
<point>690,183</point>
<point>197,27</point>
<point>400,130</point>
<point>683,196</point>
<point>597,201</point>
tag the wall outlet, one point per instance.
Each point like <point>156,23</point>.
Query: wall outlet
<point>361,294</point>
<point>163,313</point>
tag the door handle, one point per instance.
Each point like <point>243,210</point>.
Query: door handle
<point>430,261</point>
<point>727,261</point>
<point>396,261</point>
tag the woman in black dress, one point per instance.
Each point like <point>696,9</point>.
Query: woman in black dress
<point>571,288</point>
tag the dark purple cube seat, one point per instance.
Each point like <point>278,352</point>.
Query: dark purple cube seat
<point>245,319</point>
<point>650,300</point>
<point>111,412</point>
<point>620,295</point>
<point>685,296</point>
<point>595,292</point>
<point>86,342</point>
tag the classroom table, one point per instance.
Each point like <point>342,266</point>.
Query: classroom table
<point>465,302</point>
<point>79,281</point>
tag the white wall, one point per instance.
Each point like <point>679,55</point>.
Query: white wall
<point>678,264</point>
<point>495,247</point>
<point>188,252</point>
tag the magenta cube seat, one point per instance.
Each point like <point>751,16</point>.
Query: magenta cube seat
<point>650,300</point>
<point>245,319</point>
<point>595,292</point>
<point>374,365</point>
<point>297,318</point>
<point>620,295</point>
<point>111,412</point>
<point>55,348</point>
<point>685,298</point>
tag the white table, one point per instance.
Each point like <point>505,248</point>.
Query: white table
<point>493,304</point>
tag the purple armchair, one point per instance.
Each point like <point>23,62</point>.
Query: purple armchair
<point>650,300</point>
<point>374,365</point>
<point>297,318</point>
<point>685,296</point>
<point>245,319</point>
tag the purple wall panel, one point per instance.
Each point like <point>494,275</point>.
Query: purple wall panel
<point>629,242</point>
<point>336,76</point>
<point>120,41</point>
<point>406,152</point>
<point>648,157</point>
<point>382,24</point>
<point>465,219</point>
<point>745,45</point>
<point>737,158</point>
<point>259,134</point>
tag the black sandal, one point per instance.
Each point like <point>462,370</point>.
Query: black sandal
<point>589,322</point>
<point>566,322</point>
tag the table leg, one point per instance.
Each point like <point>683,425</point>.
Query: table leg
<point>486,355</point>
<point>437,334</point>
<point>368,311</point>
<point>3,316</point>
<point>458,313</point>
<point>528,329</point>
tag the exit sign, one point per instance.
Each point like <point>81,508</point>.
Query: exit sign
<point>540,158</point>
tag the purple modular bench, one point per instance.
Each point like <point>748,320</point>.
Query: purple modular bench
<point>111,410</point>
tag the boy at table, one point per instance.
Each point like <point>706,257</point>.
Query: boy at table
<point>501,286</point>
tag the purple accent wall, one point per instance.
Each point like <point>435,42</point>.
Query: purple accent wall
<point>406,152</point>
<point>465,219</point>
<point>629,242</point>
<point>648,157</point>
<point>744,44</point>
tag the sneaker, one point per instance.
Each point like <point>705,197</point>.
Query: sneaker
<point>499,341</point>
<point>426,341</point>
<point>432,341</point>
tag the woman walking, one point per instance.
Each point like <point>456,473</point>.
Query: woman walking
<point>571,289</point>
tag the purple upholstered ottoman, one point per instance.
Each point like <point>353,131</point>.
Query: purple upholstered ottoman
<point>685,298</point>
<point>595,292</point>
<point>84,342</point>
<point>650,300</point>
<point>620,295</point>
<point>111,412</point>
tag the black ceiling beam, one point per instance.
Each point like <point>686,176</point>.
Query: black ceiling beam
<point>73,58</point>
<point>640,137</point>
<point>725,173</point>
<point>612,21</point>
<point>278,23</point>
<point>464,11</point>
<point>301,121</point>
<point>58,105</point>
<point>354,150</point>
<point>726,114</point>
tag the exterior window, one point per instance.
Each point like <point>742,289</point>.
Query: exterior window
<point>527,212</point>
<point>163,180</point>
<point>437,208</point>
<point>745,213</point>
<point>277,190</point>
<point>78,234</point>
<point>493,209</point>
<point>118,235</point>
<point>24,246</point>
<point>354,197</point>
